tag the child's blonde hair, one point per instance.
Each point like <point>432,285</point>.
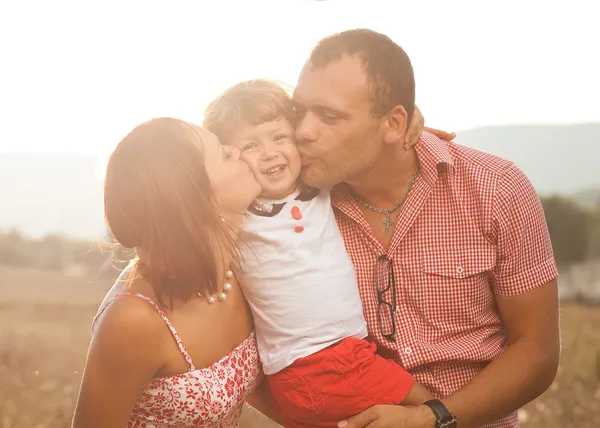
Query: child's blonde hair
<point>251,102</point>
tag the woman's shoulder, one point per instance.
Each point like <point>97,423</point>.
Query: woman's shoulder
<point>141,296</point>
<point>124,312</point>
<point>131,327</point>
<point>128,311</point>
<point>117,287</point>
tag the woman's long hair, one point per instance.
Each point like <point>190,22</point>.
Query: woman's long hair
<point>158,198</point>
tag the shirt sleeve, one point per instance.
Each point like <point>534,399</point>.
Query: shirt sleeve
<point>525,259</point>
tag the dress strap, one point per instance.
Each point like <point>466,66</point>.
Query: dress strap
<point>180,344</point>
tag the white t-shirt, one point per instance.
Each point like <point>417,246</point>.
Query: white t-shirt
<point>301,286</point>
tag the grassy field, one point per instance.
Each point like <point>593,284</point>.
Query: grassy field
<point>45,329</point>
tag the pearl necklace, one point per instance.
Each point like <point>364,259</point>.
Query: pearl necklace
<point>226,286</point>
<point>226,289</point>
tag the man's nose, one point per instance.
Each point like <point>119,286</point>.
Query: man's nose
<point>306,131</point>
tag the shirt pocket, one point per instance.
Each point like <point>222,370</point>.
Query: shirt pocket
<point>458,263</point>
<point>453,290</point>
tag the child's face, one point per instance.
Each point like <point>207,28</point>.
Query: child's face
<point>270,151</point>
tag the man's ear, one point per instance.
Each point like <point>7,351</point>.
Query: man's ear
<point>396,125</point>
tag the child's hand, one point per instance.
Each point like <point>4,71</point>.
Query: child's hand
<point>443,135</point>
<point>417,126</point>
<point>415,129</point>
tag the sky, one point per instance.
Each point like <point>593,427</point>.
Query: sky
<point>76,76</point>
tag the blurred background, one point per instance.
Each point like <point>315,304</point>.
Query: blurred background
<point>515,78</point>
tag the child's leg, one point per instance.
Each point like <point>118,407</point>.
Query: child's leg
<point>338,382</point>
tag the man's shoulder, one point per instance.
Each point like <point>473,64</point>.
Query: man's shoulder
<point>490,174</point>
<point>477,159</point>
<point>475,168</point>
<point>481,174</point>
<point>464,160</point>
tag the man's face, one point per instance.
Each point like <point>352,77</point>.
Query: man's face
<point>338,137</point>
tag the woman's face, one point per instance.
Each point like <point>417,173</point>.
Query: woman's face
<point>230,177</point>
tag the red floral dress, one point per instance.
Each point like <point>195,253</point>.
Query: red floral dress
<point>209,397</point>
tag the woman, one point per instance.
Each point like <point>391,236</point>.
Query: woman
<point>177,349</point>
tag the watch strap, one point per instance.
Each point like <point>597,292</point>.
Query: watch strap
<point>445,419</point>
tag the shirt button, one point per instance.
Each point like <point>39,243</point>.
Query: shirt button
<point>459,270</point>
<point>407,351</point>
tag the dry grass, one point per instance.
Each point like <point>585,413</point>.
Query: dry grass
<point>45,329</point>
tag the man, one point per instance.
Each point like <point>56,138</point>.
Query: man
<point>450,244</point>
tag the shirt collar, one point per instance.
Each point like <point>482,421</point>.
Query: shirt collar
<point>434,157</point>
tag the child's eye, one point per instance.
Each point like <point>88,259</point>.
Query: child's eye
<point>280,137</point>
<point>249,147</point>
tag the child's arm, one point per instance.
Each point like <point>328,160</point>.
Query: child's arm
<point>261,401</point>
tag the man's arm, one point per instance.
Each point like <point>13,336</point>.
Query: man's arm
<point>519,375</point>
<point>524,282</point>
<point>525,370</point>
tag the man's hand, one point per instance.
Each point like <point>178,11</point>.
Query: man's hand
<point>386,416</point>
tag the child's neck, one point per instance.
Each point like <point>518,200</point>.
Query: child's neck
<point>280,196</point>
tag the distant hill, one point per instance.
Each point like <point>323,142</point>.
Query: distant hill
<point>51,193</point>
<point>589,198</point>
<point>57,193</point>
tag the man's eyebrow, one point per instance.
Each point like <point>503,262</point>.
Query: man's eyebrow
<point>319,108</point>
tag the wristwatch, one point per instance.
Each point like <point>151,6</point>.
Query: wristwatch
<point>444,419</point>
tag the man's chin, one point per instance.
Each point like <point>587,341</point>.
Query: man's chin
<point>313,179</point>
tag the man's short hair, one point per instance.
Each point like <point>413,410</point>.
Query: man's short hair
<point>389,70</point>
<point>251,102</point>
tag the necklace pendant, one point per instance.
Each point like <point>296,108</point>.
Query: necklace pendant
<point>387,222</point>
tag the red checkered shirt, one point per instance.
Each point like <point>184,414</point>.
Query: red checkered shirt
<point>471,227</point>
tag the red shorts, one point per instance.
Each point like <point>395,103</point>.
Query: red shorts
<point>337,382</point>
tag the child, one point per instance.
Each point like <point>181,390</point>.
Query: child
<point>297,276</point>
